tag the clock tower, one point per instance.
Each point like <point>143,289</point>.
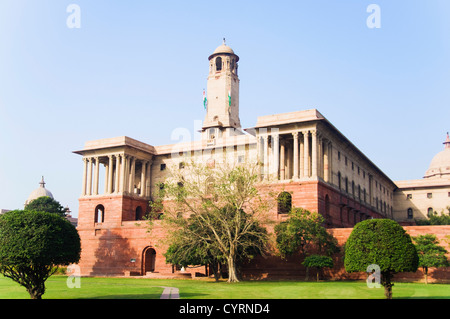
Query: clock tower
<point>222,106</point>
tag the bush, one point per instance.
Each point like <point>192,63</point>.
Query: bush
<point>382,242</point>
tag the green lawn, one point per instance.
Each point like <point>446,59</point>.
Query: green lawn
<point>141,288</point>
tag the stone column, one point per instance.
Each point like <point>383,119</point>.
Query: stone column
<point>132,175</point>
<point>282,161</point>
<point>302,156</point>
<point>261,157</point>
<point>276,155</point>
<point>314,154</point>
<point>85,164</point>
<point>89,177</point>
<point>117,174</point>
<point>306,162</point>
<point>266,157</point>
<point>110,174</point>
<point>295,135</point>
<point>106,176</point>
<point>148,183</point>
<point>126,173</point>
<point>97,164</point>
<point>142,194</point>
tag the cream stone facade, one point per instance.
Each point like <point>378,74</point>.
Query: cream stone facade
<point>417,199</point>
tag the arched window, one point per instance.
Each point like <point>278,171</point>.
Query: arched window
<point>219,64</point>
<point>139,213</point>
<point>410,213</point>
<point>284,203</point>
<point>430,211</point>
<point>99,214</point>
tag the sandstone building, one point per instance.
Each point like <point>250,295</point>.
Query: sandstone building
<point>301,153</point>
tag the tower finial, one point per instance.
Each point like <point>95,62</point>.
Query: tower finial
<point>224,42</point>
<point>42,182</point>
<point>447,141</point>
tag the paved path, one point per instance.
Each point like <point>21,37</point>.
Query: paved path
<point>170,293</point>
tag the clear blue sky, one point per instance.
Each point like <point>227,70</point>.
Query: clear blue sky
<point>138,68</point>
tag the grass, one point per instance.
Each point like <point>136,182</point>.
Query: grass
<point>142,288</point>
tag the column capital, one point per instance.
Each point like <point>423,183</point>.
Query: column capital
<point>295,135</point>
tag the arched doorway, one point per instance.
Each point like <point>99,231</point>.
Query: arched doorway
<point>148,260</point>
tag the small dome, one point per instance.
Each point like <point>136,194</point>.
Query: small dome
<point>41,191</point>
<point>223,49</point>
<point>440,165</point>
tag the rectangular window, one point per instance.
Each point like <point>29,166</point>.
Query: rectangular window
<point>409,196</point>
<point>430,195</point>
<point>162,167</point>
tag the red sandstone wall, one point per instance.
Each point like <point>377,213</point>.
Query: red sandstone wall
<point>109,247</point>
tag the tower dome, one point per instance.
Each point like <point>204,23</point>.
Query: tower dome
<point>223,49</point>
<point>440,164</point>
<point>41,191</point>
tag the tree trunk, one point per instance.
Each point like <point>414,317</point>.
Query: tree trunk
<point>215,269</point>
<point>36,292</point>
<point>425,270</point>
<point>232,271</point>
<point>386,277</point>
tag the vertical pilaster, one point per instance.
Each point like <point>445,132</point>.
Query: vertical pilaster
<point>143,170</point>
<point>326,162</point>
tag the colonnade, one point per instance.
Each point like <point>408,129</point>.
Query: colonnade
<point>303,154</point>
<point>121,175</point>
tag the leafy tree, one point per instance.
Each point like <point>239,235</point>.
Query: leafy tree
<point>32,246</point>
<point>431,254</point>
<point>318,262</point>
<point>226,208</point>
<point>46,204</point>
<point>382,242</point>
<point>303,232</point>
